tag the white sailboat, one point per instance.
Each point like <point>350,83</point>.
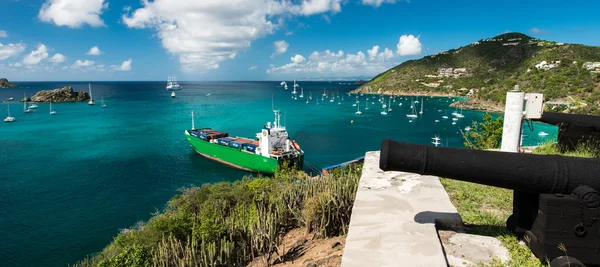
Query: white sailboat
<point>390,105</point>
<point>413,114</point>
<point>366,105</point>
<point>172,84</point>
<point>436,140</point>
<point>383,112</point>
<point>301,92</point>
<point>91,102</point>
<point>445,117</point>
<point>172,96</point>
<point>460,115</point>
<point>543,134</point>
<point>358,110</point>
<point>52,112</point>
<point>104,105</point>
<point>9,118</point>
<point>295,85</point>
<point>317,101</point>
<point>383,101</point>
<point>25,108</point>
<point>467,128</point>
<point>421,112</point>
<point>455,113</point>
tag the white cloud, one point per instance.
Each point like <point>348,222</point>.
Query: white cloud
<point>10,50</point>
<point>409,45</point>
<point>94,51</point>
<point>537,31</point>
<point>127,8</point>
<point>3,34</point>
<point>73,13</point>
<point>36,56</point>
<point>204,33</point>
<point>377,3</point>
<point>84,63</point>
<point>16,64</point>
<point>339,63</point>
<point>125,66</point>
<point>57,58</point>
<point>289,33</point>
<point>311,7</point>
<point>253,68</point>
<point>298,59</point>
<point>373,51</point>
<point>280,47</point>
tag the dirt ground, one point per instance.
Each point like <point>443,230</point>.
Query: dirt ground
<point>297,248</point>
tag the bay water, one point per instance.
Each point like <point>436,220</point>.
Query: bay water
<point>70,182</point>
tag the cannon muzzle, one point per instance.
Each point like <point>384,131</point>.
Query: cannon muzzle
<point>529,173</point>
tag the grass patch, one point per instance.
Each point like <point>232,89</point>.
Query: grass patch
<point>584,150</point>
<point>230,224</point>
<point>484,209</point>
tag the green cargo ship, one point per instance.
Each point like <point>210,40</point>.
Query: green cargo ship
<point>270,150</point>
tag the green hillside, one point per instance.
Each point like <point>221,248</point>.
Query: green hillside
<point>495,65</point>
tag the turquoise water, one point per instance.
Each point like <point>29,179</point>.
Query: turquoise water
<point>69,182</point>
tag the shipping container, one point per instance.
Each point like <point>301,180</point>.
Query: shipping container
<point>224,141</point>
<point>250,147</point>
<point>235,144</point>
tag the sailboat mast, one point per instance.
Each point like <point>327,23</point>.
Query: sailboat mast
<point>90,88</point>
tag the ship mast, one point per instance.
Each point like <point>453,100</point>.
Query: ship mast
<point>193,128</point>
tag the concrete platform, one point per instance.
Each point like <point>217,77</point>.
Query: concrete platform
<point>393,219</point>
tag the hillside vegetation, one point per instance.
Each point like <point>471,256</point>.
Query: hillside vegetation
<point>493,66</point>
<point>234,224</point>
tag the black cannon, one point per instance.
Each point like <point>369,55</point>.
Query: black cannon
<point>556,198</point>
<point>574,129</point>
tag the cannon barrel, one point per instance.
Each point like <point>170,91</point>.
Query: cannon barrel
<point>556,118</point>
<point>528,173</point>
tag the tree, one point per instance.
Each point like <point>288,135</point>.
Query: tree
<point>486,134</point>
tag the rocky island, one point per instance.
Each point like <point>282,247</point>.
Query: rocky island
<point>65,94</point>
<point>4,83</point>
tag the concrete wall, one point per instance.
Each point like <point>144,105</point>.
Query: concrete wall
<point>393,219</point>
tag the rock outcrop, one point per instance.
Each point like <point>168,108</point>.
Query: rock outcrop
<point>4,83</point>
<point>65,94</point>
<point>359,82</point>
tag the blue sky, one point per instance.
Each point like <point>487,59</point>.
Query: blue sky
<point>262,39</point>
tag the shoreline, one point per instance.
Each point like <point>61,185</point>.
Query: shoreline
<point>464,102</point>
<point>403,93</point>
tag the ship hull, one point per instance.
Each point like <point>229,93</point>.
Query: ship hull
<point>233,157</point>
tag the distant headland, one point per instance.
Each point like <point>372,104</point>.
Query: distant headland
<point>4,83</point>
<point>65,94</point>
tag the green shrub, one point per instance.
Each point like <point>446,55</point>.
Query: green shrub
<point>229,224</point>
<point>486,134</point>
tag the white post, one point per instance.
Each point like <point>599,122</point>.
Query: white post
<point>193,128</point>
<point>513,120</point>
